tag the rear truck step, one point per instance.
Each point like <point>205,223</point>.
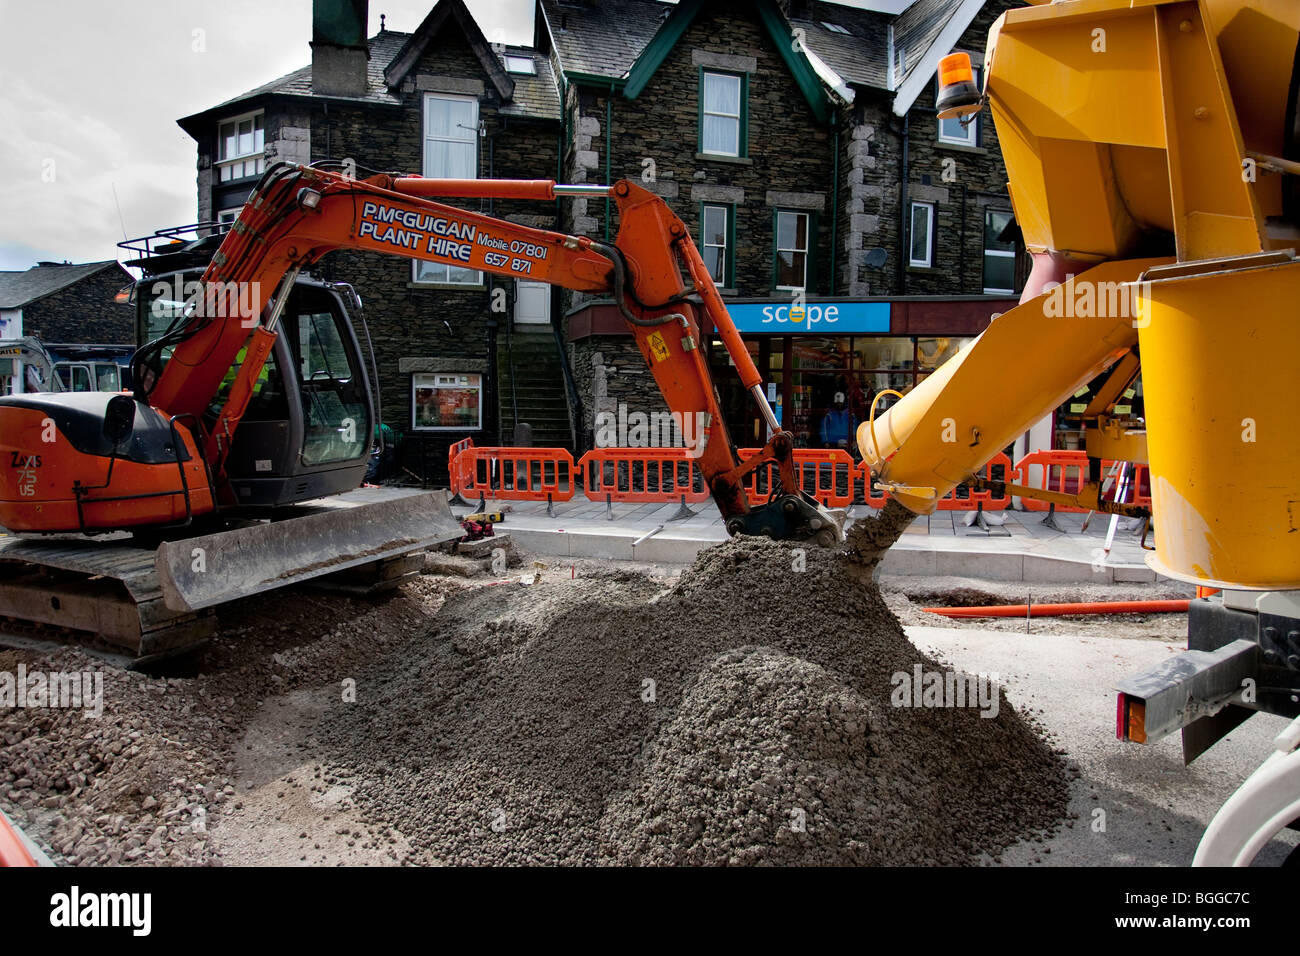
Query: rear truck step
<point>208,570</point>
<point>134,604</point>
<point>1243,656</point>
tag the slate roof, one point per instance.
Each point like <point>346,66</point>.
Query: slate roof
<point>534,96</point>
<point>537,95</point>
<point>383,47</point>
<point>918,27</point>
<point>603,38</point>
<point>18,289</point>
<point>860,58</point>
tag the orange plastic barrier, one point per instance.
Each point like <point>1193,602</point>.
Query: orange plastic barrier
<point>644,475</point>
<point>960,498</point>
<point>454,465</point>
<point>1067,471</point>
<point>972,500</point>
<point>821,472</point>
<point>516,474</point>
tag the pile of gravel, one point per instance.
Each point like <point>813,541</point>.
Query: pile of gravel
<point>145,781</point>
<point>742,716</point>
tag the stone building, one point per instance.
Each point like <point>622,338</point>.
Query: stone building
<point>797,139</point>
<point>72,309</point>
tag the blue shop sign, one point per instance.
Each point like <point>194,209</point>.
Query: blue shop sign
<point>821,318</point>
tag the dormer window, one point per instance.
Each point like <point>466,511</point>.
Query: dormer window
<point>523,65</point>
<point>240,142</point>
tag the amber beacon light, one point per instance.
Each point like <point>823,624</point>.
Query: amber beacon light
<point>959,97</point>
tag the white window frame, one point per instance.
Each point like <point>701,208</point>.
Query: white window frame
<point>520,65</point>
<point>229,215</point>
<point>928,261</point>
<point>720,281</point>
<point>705,113</point>
<point>997,254</point>
<point>970,132</point>
<point>242,158</point>
<point>807,238</point>
<point>430,276</point>
<point>432,382</point>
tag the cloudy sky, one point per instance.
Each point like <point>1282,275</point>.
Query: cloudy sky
<point>90,91</point>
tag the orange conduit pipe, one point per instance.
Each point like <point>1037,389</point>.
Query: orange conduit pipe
<point>12,850</point>
<point>1055,610</point>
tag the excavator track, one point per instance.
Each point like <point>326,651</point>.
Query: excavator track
<point>135,604</point>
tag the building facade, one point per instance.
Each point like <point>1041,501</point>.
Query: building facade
<point>797,140</point>
<point>73,311</point>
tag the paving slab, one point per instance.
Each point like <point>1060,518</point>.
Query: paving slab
<point>1021,549</point>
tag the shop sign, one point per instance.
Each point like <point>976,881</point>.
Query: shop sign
<point>820,318</point>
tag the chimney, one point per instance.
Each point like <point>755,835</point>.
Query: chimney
<point>338,47</point>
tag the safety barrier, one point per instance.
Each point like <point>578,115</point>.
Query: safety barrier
<point>455,463</point>
<point>828,474</point>
<point>518,473</point>
<point>961,498</point>
<point>641,475</point>
<point>668,475</point>
<point>1067,471</point>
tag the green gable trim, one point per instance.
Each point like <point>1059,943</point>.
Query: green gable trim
<point>660,45</point>
<point>594,79</point>
<point>674,28</point>
<point>809,83</point>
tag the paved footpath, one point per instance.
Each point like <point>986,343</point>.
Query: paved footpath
<point>1021,549</point>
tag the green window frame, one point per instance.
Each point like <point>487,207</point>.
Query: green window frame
<point>742,151</point>
<point>728,263</point>
<point>810,250</point>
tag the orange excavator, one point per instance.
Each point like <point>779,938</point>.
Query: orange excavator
<point>171,459</point>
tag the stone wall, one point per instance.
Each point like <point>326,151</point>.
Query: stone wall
<point>84,313</point>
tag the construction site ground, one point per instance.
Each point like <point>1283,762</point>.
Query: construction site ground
<point>235,756</point>
<point>1017,546</point>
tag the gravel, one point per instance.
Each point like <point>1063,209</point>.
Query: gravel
<point>741,716</point>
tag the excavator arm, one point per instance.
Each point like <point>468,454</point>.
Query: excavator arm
<point>298,214</point>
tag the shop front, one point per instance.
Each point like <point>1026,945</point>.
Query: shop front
<point>823,369</point>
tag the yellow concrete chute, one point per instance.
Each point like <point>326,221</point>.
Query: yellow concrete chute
<point>1025,364</point>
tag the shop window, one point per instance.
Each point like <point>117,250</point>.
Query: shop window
<point>921,241</point>
<point>999,254</point>
<point>722,113</point>
<point>240,143</point>
<point>450,152</point>
<point>446,401</point>
<point>792,250</point>
<point>952,130</point>
<point>717,231</point>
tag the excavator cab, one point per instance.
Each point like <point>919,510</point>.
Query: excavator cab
<point>306,432</point>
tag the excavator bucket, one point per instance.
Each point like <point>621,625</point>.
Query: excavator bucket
<point>212,569</point>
